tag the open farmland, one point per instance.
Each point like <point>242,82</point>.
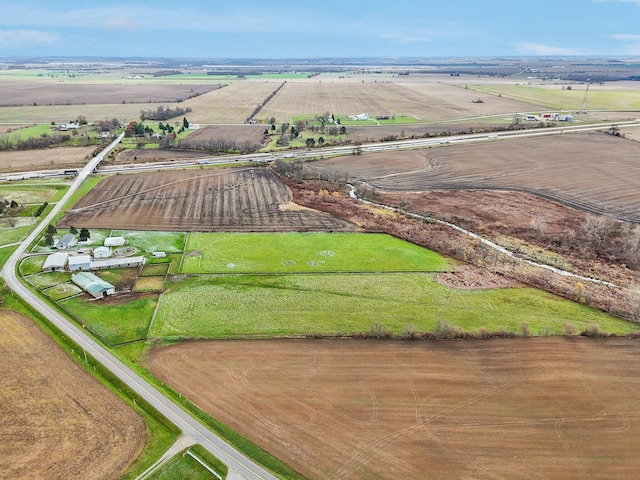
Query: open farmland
<point>56,420</point>
<point>595,172</point>
<point>259,306</point>
<point>425,101</point>
<point>64,113</point>
<point>232,104</point>
<point>249,199</point>
<point>622,96</point>
<point>15,93</point>
<point>229,133</point>
<point>352,409</point>
<point>50,158</point>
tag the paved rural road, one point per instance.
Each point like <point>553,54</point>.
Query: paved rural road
<point>238,464</point>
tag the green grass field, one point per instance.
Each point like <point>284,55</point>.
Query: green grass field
<point>115,322</point>
<point>333,304</point>
<point>558,99</point>
<point>305,252</point>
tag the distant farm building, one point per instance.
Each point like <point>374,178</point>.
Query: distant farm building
<point>114,241</point>
<point>360,116</point>
<point>55,262</point>
<point>117,263</point>
<point>67,241</point>
<point>101,252</point>
<point>159,254</point>
<point>80,262</point>
<point>93,285</point>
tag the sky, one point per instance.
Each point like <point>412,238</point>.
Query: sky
<point>319,28</point>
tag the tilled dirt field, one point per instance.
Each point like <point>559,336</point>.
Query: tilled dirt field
<point>594,172</point>
<point>44,159</point>
<point>249,199</point>
<point>56,421</point>
<point>49,93</point>
<point>544,408</point>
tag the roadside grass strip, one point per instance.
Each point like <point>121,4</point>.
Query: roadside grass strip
<point>256,306</point>
<point>306,252</point>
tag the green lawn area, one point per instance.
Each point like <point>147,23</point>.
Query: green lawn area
<point>227,306</point>
<point>33,193</point>
<point>169,242</point>
<point>185,467</point>
<point>306,252</point>
<point>15,234</point>
<point>116,322</point>
<point>63,290</point>
<point>32,264</point>
<point>49,279</point>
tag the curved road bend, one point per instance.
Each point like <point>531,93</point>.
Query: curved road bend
<point>239,464</point>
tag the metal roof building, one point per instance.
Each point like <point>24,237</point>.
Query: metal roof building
<point>117,263</point>
<point>55,262</point>
<point>80,262</point>
<point>92,284</point>
<point>67,240</point>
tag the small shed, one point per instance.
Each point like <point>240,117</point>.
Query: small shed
<point>55,262</point>
<point>114,241</point>
<point>67,241</point>
<point>159,254</point>
<point>80,262</point>
<point>92,284</point>
<point>101,252</point>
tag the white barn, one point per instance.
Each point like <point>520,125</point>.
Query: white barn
<point>79,262</point>
<point>55,262</point>
<point>101,252</point>
<point>117,263</point>
<point>114,241</point>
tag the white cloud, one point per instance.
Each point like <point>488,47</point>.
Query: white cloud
<point>10,39</point>
<point>405,39</point>
<point>626,37</point>
<point>630,43</point>
<point>637,2</point>
<point>545,50</point>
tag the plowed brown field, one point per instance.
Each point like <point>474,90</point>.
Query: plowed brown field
<point>57,421</point>
<point>250,199</point>
<point>594,172</point>
<point>428,101</point>
<point>543,408</point>
<point>30,93</point>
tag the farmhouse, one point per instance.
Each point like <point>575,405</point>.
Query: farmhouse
<point>55,262</point>
<point>92,284</point>
<point>114,241</point>
<point>79,262</point>
<point>101,252</point>
<point>117,263</point>
<point>67,241</point>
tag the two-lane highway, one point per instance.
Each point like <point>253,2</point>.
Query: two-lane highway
<point>236,461</point>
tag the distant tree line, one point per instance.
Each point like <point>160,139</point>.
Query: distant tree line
<point>264,102</point>
<point>163,113</point>
<point>219,145</point>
